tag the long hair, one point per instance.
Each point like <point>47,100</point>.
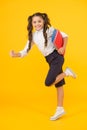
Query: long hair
<point>44,16</point>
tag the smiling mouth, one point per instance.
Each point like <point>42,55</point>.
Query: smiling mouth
<point>38,27</point>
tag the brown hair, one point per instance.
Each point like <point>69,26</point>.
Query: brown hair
<point>44,16</point>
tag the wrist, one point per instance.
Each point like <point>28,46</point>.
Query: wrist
<point>64,47</point>
<point>17,55</point>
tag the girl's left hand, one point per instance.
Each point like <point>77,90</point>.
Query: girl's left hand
<point>61,51</point>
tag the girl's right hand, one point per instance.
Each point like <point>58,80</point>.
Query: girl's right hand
<point>12,53</point>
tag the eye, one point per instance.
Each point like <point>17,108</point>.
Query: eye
<point>34,22</point>
<point>39,21</point>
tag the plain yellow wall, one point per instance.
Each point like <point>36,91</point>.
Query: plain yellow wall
<point>24,78</point>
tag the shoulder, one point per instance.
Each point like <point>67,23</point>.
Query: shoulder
<point>50,31</point>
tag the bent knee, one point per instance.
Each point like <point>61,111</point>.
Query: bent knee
<point>49,82</point>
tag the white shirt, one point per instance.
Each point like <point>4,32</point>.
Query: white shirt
<point>39,40</point>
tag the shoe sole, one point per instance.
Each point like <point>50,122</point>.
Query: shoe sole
<point>73,73</point>
<point>58,116</point>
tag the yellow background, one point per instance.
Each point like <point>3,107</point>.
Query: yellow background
<point>25,102</point>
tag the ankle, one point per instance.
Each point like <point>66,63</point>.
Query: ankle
<point>60,107</point>
<point>66,73</point>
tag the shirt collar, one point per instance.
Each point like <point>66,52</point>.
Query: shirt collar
<point>41,30</point>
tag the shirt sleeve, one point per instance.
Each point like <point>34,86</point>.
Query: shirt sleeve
<point>51,30</point>
<point>64,34</point>
<point>24,51</point>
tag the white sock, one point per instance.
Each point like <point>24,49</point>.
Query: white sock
<point>66,73</point>
<point>59,108</point>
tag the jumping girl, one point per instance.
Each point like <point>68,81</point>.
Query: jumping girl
<point>42,37</point>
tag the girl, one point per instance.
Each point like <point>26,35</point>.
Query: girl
<point>42,37</point>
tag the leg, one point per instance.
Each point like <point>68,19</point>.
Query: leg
<point>60,93</point>
<point>54,76</point>
<point>59,78</point>
<point>60,96</point>
<point>67,72</point>
<point>60,110</point>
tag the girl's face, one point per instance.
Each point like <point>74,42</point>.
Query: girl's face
<point>37,22</point>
